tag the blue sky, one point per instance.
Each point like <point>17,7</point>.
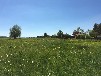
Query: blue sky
<point>39,16</point>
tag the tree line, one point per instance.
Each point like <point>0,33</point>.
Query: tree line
<point>79,33</point>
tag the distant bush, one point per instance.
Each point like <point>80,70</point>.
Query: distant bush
<point>88,37</point>
<point>83,36</point>
<point>66,36</point>
<point>54,36</point>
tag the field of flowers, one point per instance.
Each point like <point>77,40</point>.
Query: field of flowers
<point>50,57</point>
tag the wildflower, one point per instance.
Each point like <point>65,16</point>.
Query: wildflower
<point>14,46</point>
<point>8,61</point>
<point>49,74</point>
<point>72,47</point>
<point>55,48</point>
<point>90,52</point>
<point>71,52</point>
<point>39,52</point>
<point>75,52</point>
<point>32,61</point>
<point>7,55</point>
<point>58,47</point>
<point>83,48</point>
<point>22,44</point>
<point>19,65</point>
<point>5,68</point>
<point>81,53</point>
<point>59,56</point>
<point>10,46</point>
<point>21,70</point>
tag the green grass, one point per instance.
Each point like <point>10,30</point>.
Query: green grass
<point>50,57</point>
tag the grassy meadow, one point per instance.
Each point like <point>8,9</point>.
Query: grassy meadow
<point>50,57</point>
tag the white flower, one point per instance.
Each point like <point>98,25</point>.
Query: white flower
<point>8,61</point>
<point>72,47</point>
<point>49,74</point>
<point>75,52</point>
<point>59,47</point>
<point>14,46</point>
<point>83,48</point>
<point>32,61</point>
<point>20,65</point>
<point>90,52</point>
<point>21,70</point>
<point>4,68</point>
<point>7,55</point>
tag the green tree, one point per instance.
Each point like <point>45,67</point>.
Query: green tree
<point>60,34</point>
<point>54,36</point>
<point>75,32</point>
<point>87,32</point>
<point>81,31</point>
<point>66,36</point>
<point>45,35</point>
<point>97,29</point>
<point>78,31</point>
<point>92,33</point>
<point>15,31</point>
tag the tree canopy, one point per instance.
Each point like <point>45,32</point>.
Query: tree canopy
<point>15,31</point>
<point>97,28</point>
<point>45,35</point>
<point>78,31</point>
<point>60,34</point>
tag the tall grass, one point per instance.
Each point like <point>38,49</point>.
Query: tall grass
<point>50,57</point>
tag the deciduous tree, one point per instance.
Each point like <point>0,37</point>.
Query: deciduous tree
<point>15,31</point>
